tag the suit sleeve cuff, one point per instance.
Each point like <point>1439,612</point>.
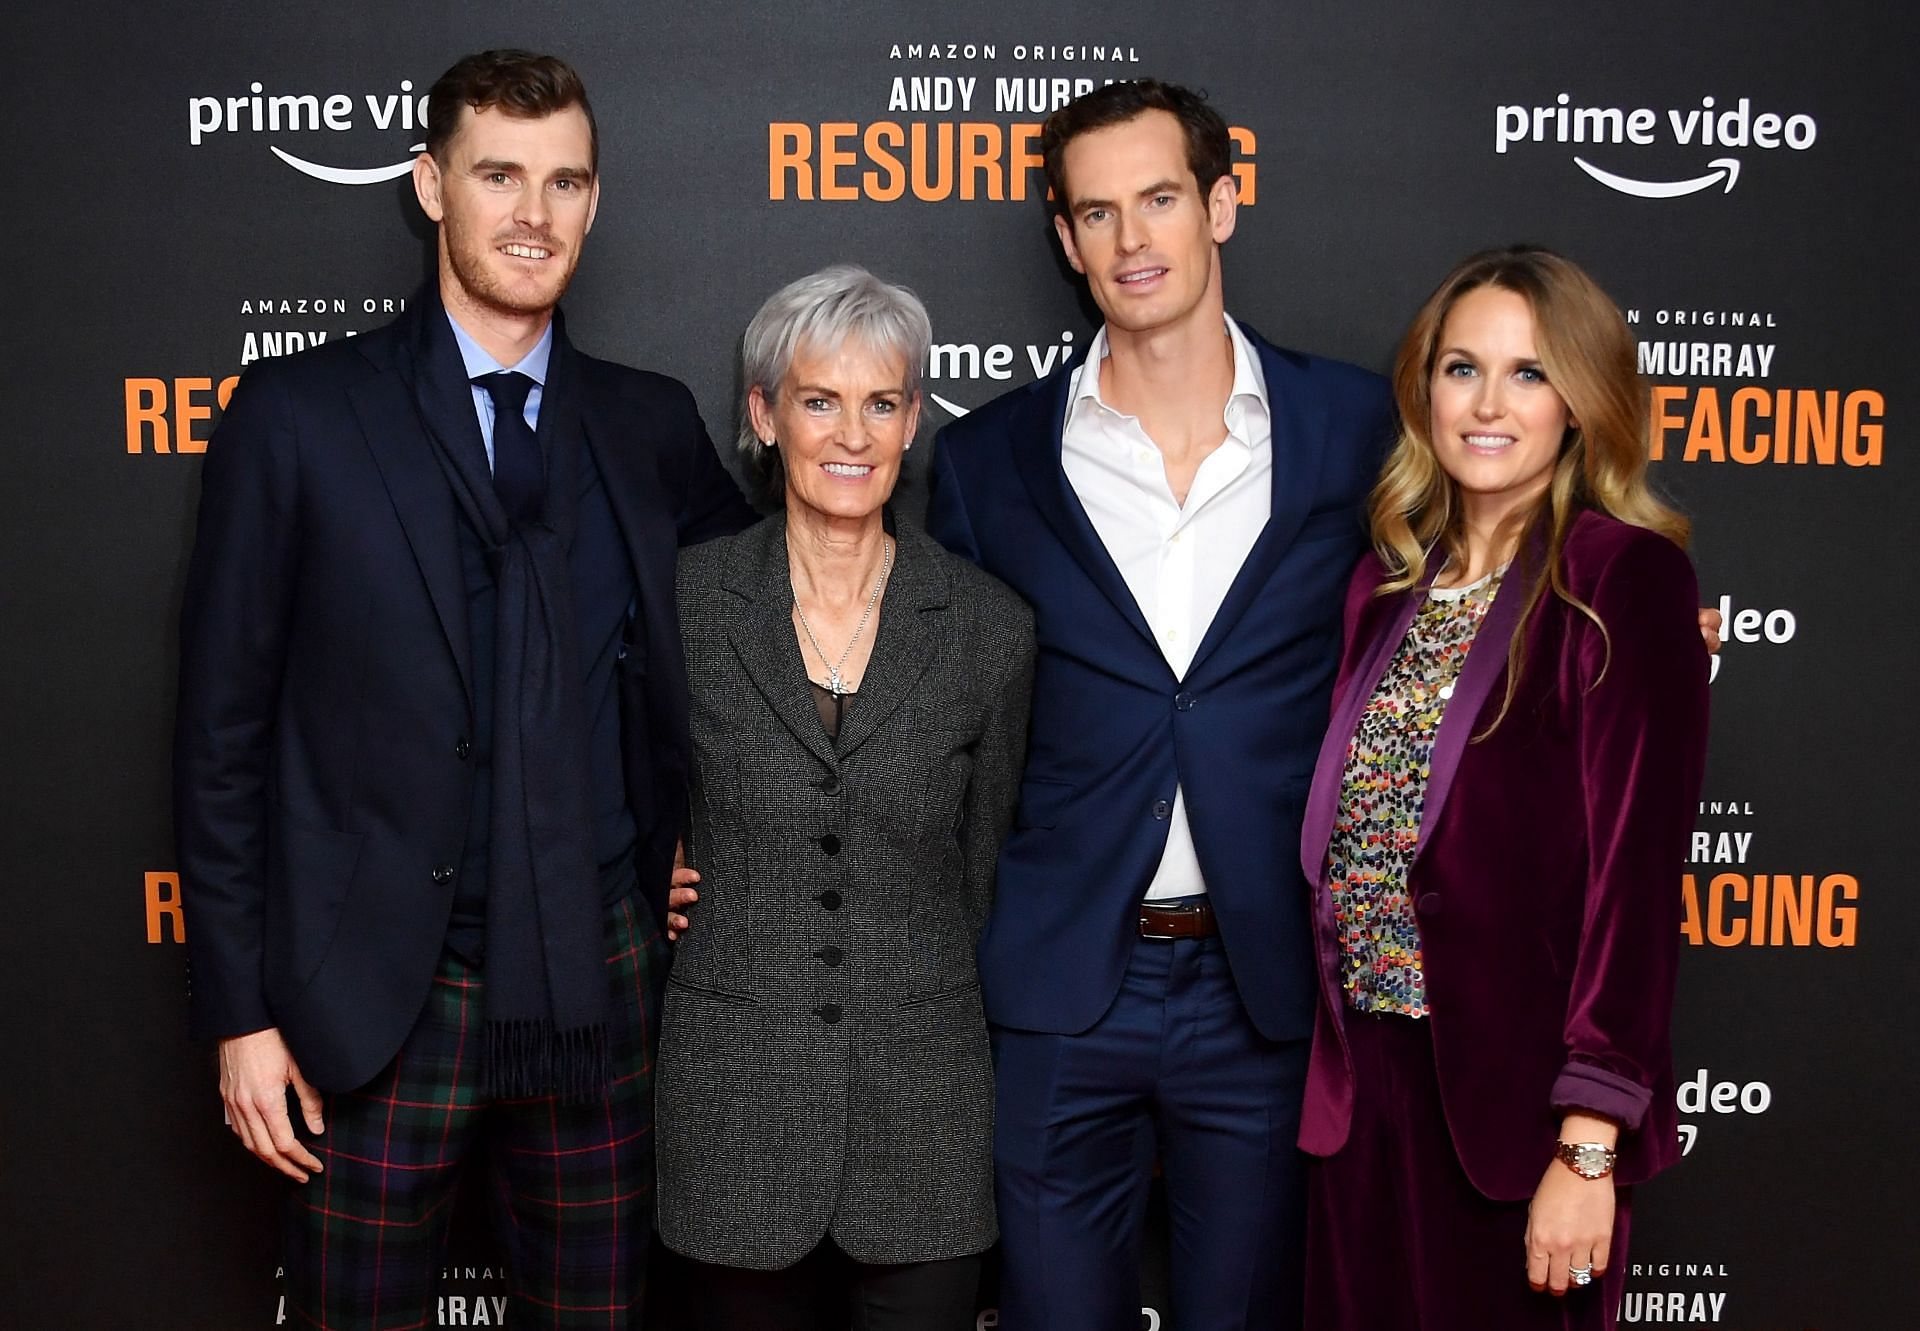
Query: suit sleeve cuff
<point>213,1016</point>
<point>1584,1088</point>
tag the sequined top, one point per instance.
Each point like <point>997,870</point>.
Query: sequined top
<point>1382,792</point>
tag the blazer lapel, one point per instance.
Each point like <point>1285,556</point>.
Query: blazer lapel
<point>762,635</point>
<point>1329,773</point>
<point>632,480</point>
<point>396,411</point>
<point>1299,448</point>
<point>905,640</point>
<point>1036,432</point>
<point>1485,666</point>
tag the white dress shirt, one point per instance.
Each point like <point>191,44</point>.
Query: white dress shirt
<point>1178,560</point>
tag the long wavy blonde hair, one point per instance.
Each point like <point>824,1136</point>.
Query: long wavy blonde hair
<point>1590,358</point>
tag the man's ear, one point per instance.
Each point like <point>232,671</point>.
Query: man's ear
<point>426,186</point>
<point>1064,229</point>
<point>1223,207</point>
<point>593,201</point>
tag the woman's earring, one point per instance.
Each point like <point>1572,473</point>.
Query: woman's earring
<point>766,443</point>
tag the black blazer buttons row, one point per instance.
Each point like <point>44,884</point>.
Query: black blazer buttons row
<point>829,1013</point>
<point>830,843</point>
<point>443,874</point>
<point>830,956</point>
<point>830,899</point>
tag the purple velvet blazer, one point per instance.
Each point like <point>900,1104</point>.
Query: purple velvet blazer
<point>1546,881</point>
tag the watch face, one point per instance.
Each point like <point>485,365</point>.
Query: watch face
<point>1589,1159</point>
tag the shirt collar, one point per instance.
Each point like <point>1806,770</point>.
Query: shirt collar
<point>1249,382</point>
<point>479,362</point>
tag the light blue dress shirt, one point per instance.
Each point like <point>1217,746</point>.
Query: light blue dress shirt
<point>478,362</point>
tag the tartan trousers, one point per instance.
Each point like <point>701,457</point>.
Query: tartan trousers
<point>572,1184</point>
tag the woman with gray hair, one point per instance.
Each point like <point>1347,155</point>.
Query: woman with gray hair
<point>824,1092</point>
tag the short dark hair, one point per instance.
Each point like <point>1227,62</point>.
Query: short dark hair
<point>520,83</point>
<point>1209,148</point>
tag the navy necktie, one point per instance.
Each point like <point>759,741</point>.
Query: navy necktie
<point>519,472</point>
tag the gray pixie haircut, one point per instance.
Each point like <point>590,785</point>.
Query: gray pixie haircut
<point>823,311</point>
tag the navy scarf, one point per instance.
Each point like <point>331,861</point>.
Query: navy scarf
<point>546,1003</point>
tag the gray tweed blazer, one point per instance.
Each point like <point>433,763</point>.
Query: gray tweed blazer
<point>823,1060</point>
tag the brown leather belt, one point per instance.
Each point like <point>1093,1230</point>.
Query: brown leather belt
<point>1193,919</point>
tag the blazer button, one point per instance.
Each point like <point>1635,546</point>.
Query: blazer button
<point>829,784</point>
<point>830,843</point>
<point>463,749</point>
<point>829,1013</point>
<point>1431,903</point>
<point>831,956</point>
<point>443,875</point>
<point>1162,809</point>
<point>829,899</point>
<point>1183,702</point>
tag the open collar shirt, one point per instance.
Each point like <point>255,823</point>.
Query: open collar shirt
<point>1178,560</point>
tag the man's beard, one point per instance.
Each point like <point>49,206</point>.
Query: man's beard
<point>472,269</point>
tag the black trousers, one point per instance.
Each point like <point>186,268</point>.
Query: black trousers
<point>829,1291</point>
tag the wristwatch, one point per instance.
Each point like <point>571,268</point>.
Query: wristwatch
<point>1590,1160</point>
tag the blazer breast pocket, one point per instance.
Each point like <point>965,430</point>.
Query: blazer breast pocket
<point>1330,524</point>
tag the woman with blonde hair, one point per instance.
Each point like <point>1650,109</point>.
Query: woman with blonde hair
<point>1499,809</point>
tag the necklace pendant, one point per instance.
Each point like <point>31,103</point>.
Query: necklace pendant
<point>835,685</point>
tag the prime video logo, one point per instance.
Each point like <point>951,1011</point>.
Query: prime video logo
<point>1706,126</point>
<point>308,113</point>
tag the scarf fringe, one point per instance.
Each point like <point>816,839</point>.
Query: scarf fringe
<point>526,1059</point>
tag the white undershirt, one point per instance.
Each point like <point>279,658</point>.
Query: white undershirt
<point>1178,561</point>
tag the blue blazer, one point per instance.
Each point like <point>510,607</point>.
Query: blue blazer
<point>322,780</point>
<point>1114,733</point>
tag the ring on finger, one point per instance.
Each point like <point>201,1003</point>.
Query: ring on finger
<point>1581,1275</point>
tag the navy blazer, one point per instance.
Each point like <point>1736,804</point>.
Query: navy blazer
<point>321,758</point>
<point>1114,733</point>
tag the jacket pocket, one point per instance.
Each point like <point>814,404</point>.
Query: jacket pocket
<point>727,996</point>
<point>310,872</point>
<point>1328,524</point>
<point>941,995</point>
<point>1042,802</point>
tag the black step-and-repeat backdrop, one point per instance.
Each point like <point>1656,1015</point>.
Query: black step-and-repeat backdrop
<point>197,187</point>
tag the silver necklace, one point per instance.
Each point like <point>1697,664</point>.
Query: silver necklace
<point>836,682</point>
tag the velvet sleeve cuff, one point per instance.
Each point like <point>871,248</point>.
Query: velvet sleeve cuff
<point>1584,1088</point>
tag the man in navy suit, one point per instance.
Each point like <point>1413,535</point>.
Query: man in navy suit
<point>1182,507</point>
<point>431,745</point>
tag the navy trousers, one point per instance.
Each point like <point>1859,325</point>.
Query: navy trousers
<point>1174,1065</point>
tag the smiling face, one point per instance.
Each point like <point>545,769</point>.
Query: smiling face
<point>842,419</point>
<point>514,197</point>
<point>1497,425</point>
<point>1138,227</point>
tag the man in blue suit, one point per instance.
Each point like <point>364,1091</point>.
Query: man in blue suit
<point>432,745</point>
<point>1182,507</point>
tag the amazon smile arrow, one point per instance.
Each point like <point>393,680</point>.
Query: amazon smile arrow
<point>1723,167</point>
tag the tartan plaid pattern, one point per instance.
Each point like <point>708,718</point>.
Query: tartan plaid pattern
<point>572,1184</point>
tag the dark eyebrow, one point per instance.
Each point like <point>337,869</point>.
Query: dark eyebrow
<point>814,390</point>
<point>486,166</point>
<point>1161,187</point>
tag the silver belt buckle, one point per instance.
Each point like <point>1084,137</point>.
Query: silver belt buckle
<point>1156,937</point>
